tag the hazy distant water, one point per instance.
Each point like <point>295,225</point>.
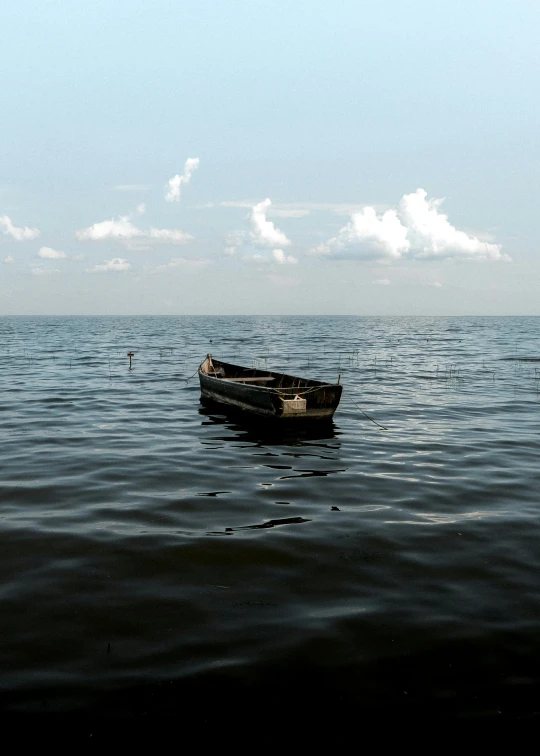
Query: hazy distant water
<point>134,568</point>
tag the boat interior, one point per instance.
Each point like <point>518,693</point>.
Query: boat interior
<point>254,376</point>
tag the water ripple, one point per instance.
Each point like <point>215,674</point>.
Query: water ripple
<point>145,539</point>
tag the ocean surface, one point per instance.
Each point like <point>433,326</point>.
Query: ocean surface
<point>159,557</point>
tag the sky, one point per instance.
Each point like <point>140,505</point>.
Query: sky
<point>270,157</point>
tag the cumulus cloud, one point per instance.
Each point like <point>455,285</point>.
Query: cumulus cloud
<point>279,256</point>
<point>173,193</point>
<point>276,256</point>
<point>116,265</point>
<point>19,233</point>
<point>9,259</point>
<point>416,229</point>
<point>263,232</point>
<point>51,254</point>
<point>123,230</point>
<point>433,236</point>
<point>369,236</point>
<point>117,228</point>
<point>141,208</point>
<point>382,282</point>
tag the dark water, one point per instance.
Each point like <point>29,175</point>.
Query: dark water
<point>157,557</point>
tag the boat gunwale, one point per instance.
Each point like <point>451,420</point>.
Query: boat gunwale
<point>310,384</point>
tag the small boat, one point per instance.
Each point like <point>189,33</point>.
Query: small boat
<point>265,393</point>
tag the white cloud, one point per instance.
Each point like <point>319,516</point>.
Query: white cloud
<point>436,284</point>
<point>141,208</point>
<point>18,233</point>
<point>368,236</point>
<point>382,282</point>
<point>77,257</point>
<point>415,230</point>
<point>122,229</point>
<point>173,193</point>
<point>9,259</point>
<point>433,236</point>
<point>264,233</point>
<point>277,256</point>
<point>116,265</point>
<point>280,257</point>
<point>51,254</point>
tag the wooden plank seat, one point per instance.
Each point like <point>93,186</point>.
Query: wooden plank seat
<point>256,379</point>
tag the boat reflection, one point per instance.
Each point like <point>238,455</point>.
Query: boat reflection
<point>258,431</point>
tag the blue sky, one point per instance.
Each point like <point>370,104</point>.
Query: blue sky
<point>337,113</point>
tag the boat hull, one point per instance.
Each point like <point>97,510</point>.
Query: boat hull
<point>312,402</point>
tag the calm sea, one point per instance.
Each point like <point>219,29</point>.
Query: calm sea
<point>157,556</point>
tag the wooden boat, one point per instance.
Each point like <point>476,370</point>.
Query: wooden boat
<point>265,393</point>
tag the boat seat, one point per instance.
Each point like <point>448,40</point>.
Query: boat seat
<point>256,379</point>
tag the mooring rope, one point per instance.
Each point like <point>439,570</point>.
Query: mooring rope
<point>191,376</point>
<point>365,414</point>
<point>308,390</point>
